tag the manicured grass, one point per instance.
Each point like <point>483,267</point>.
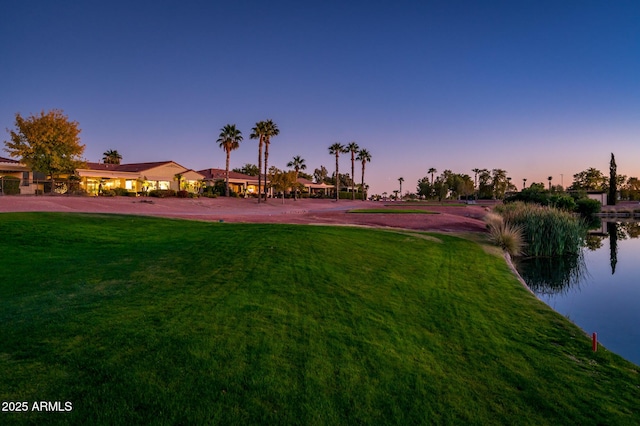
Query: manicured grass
<point>142,320</point>
<point>392,211</point>
<point>425,203</point>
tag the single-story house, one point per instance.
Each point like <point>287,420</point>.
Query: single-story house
<point>238,182</point>
<point>316,188</point>
<point>598,196</point>
<point>138,177</point>
<point>9,167</point>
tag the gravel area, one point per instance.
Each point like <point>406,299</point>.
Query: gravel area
<point>449,218</point>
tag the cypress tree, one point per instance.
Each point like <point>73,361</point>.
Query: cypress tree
<point>612,181</point>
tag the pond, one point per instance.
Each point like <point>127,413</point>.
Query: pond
<point>599,290</point>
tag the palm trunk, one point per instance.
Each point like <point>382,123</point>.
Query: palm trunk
<point>266,161</point>
<point>227,176</point>
<point>353,178</point>
<point>363,191</point>
<point>260,169</point>
<point>337,180</point>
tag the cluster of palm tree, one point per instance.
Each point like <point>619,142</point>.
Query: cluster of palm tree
<point>230,138</point>
<point>358,154</point>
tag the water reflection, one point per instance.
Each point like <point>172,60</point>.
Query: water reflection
<point>553,275</point>
<point>558,275</point>
<point>598,290</point>
<point>612,230</point>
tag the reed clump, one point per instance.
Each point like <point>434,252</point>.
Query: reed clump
<point>547,230</point>
<point>505,235</point>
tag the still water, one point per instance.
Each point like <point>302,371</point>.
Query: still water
<point>598,290</point>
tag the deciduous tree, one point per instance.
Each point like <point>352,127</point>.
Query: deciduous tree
<point>589,180</point>
<point>48,143</point>
<point>282,181</point>
<point>320,174</point>
<point>248,169</point>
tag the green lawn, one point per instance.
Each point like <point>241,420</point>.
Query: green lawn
<point>141,320</point>
<point>425,203</point>
<point>391,211</point>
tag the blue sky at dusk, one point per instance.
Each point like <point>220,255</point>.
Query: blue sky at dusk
<point>538,88</point>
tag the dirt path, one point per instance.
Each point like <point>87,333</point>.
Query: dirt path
<point>449,218</point>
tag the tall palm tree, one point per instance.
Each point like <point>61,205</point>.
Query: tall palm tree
<point>337,149</point>
<point>271,129</point>
<point>475,178</point>
<point>401,179</point>
<point>550,178</point>
<point>353,149</point>
<point>229,140</point>
<point>364,156</point>
<point>298,164</point>
<point>524,183</point>
<point>111,156</point>
<point>432,171</point>
<point>258,132</point>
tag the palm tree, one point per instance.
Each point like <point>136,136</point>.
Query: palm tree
<point>364,156</point>
<point>271,129</point>
<point>178,177</point>
<point>400,179</point>
<point>353,149</point>
<point>432,171</point>
<point>111,156</point>
<point>524,183</point>
<point>229,140</point>
<point>258,132</point>
<point>550,178</point>
<point>298,164</point>
<point>475,179</point>
<point>337,149</point>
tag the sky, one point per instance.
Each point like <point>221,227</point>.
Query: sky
<point>537,88</point>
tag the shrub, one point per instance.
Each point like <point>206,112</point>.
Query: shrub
<point>162,193</point>
<point>547,231</point>
<point>562,202</point>
<point>182,194</point>
<point>108,193</point>
<point>506,236</point>
<point>10,185</point>
<point>493,219</point>
<point>121,192</point>
<point>588,207</point>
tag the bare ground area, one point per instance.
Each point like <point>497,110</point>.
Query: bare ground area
<point>467,218</point>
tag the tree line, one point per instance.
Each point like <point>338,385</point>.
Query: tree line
<point>496,184</point>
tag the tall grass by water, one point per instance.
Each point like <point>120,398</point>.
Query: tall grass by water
<point>507,236</point>
<point>547,231</point>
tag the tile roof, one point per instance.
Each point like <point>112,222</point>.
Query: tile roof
<point>8,160</point>
<point>221,174</point>
<point>131,167</point>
